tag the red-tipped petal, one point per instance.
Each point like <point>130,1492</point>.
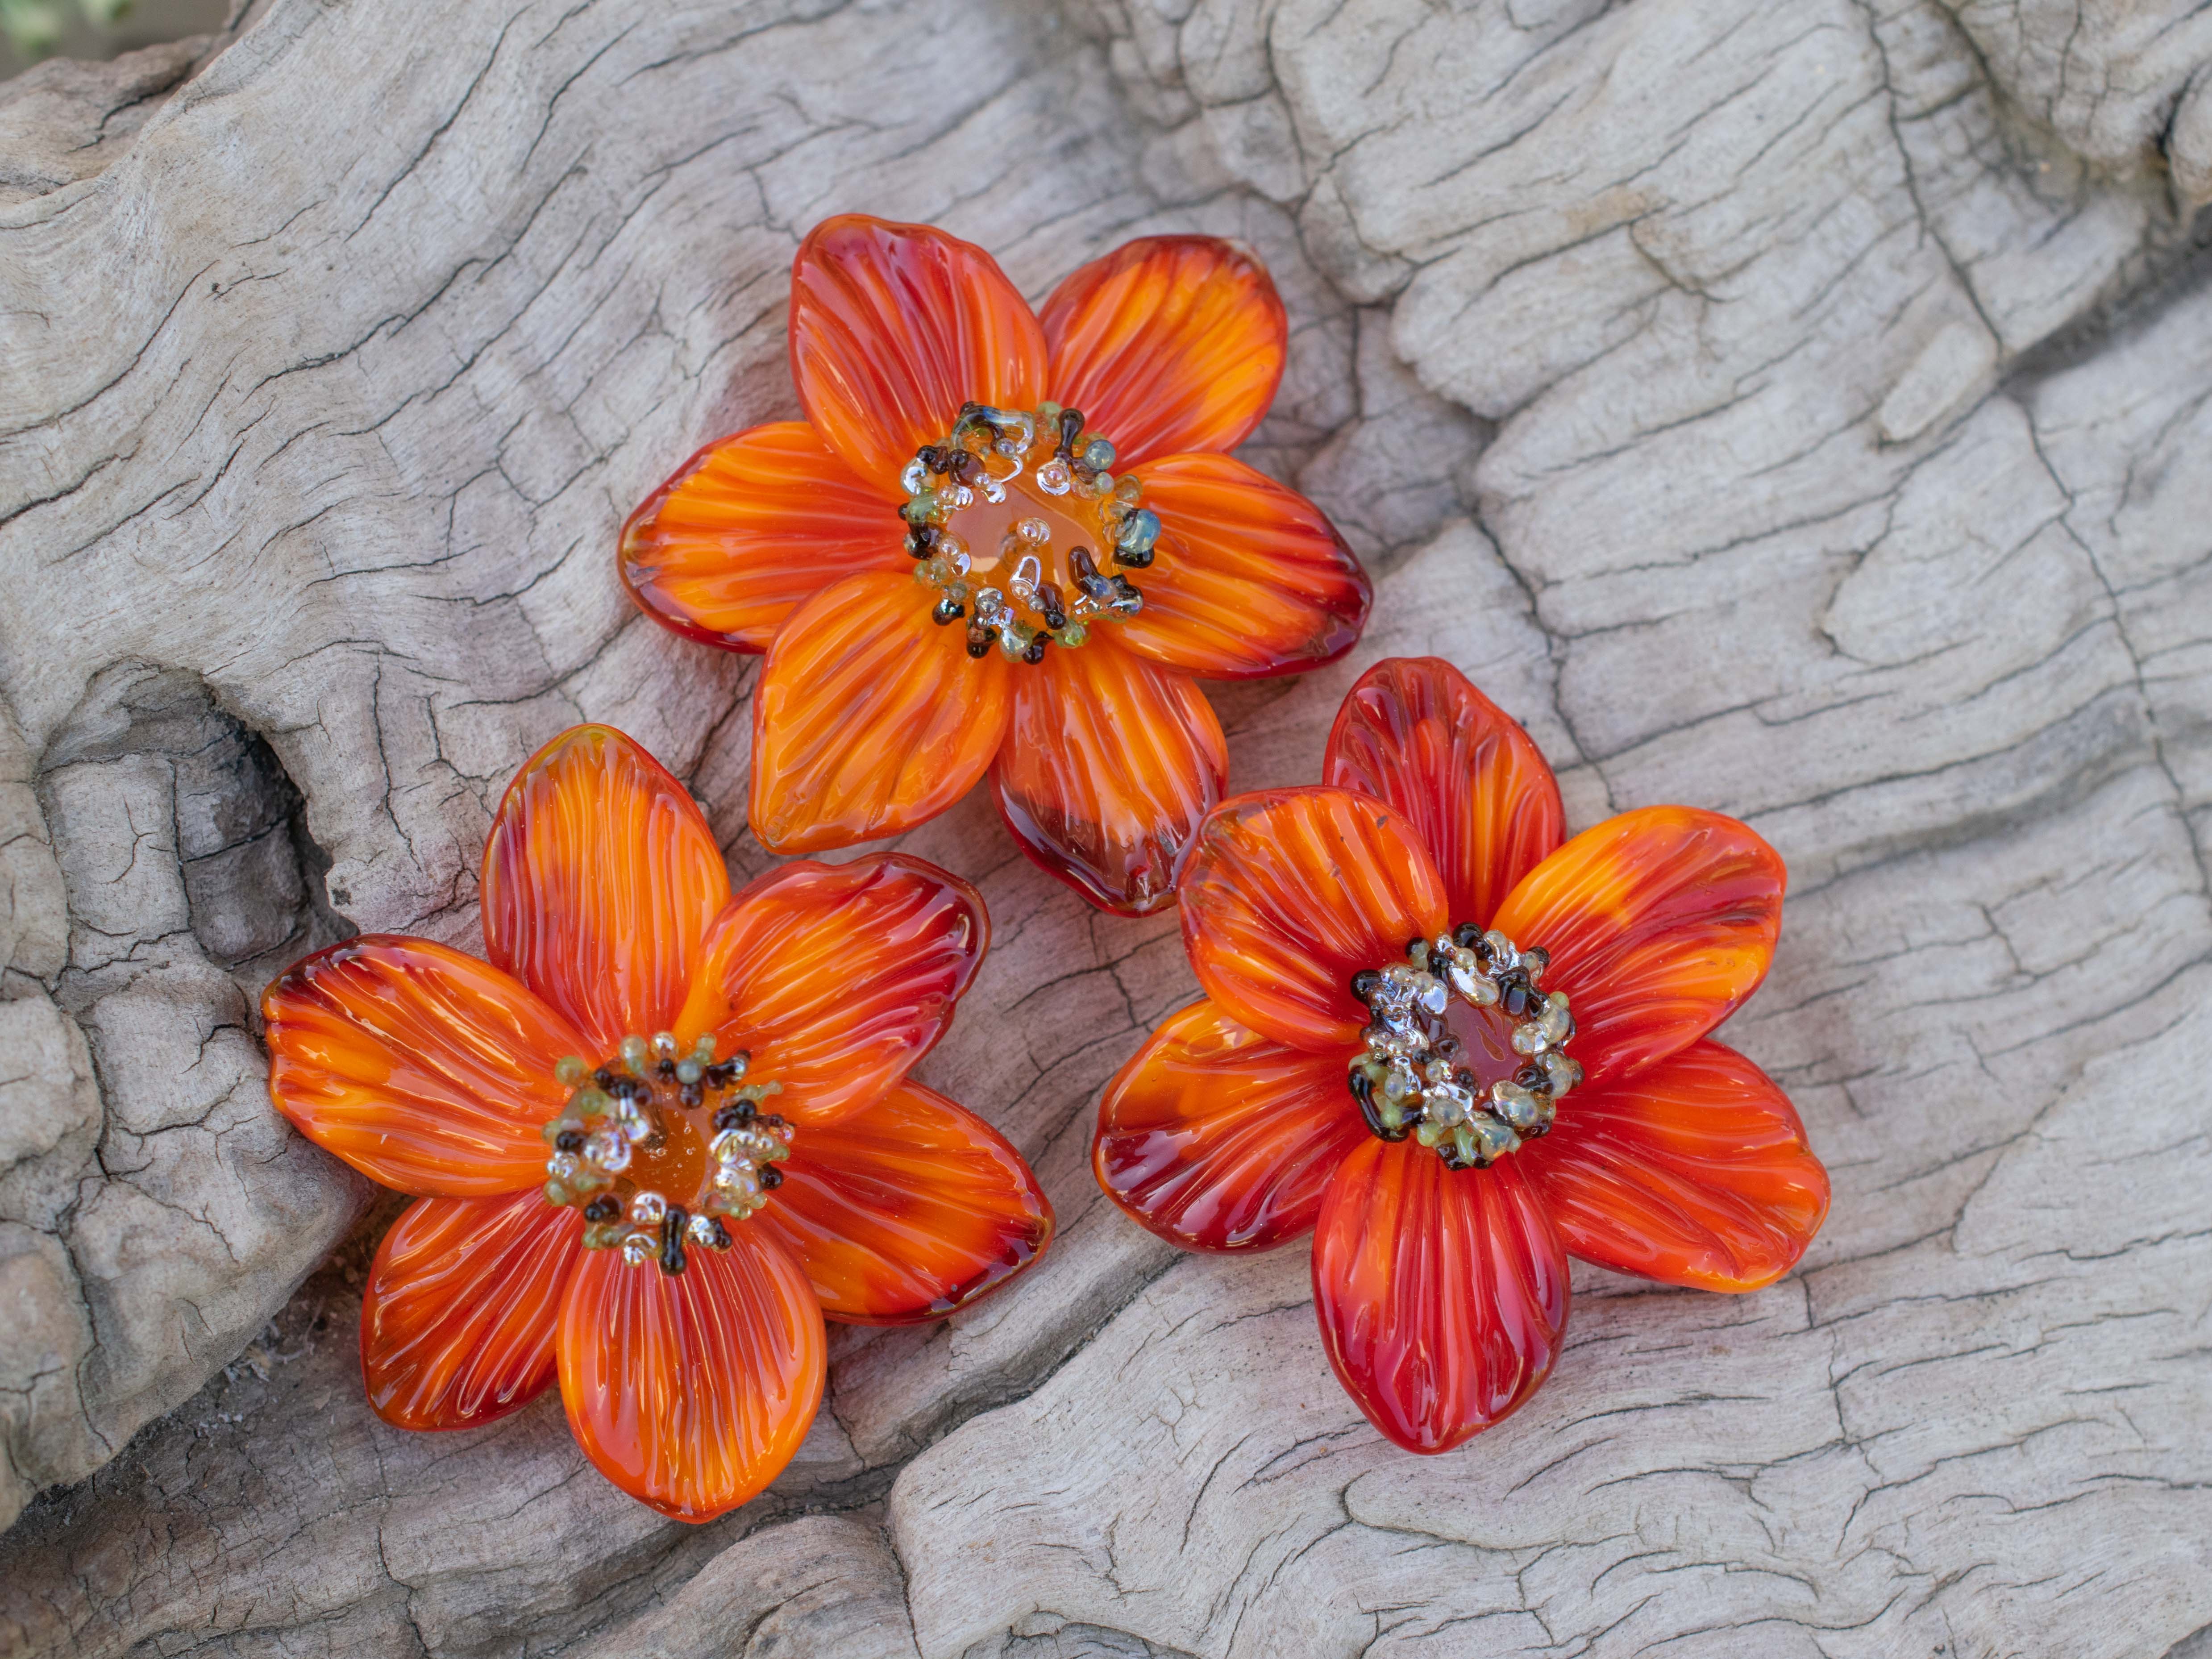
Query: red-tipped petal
<point>1106,770</point>
<point>456,1324</point>
<point>1660,923</point>
<point>1168,344</point>
<point>599,878</point>
<point>425,1069</point>
<point>837,977</point>
<point>1416,734</point>
<point>1217,1139</point>
<point>907,1210</point>
<point>1288,893</point>
<point>893,327</point>
<point>1694,1171</point>
<point>690,1391</point>
<point>870,718</point>
<point>1442,1293</point>
<point>751,528</point>
<point>1249,578</point>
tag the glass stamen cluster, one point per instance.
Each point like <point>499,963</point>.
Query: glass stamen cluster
<point>1001,518</point>
<point>1419,1075</point>
<point>661,1149</point>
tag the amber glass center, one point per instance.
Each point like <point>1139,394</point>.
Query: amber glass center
<point>1018,524</point>
<point>1464,1051</point>
<point>661,1149</point>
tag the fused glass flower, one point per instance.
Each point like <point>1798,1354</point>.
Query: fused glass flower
<point>659,1134</point>
<point>1004,540</point>
<point>1460,1049</point>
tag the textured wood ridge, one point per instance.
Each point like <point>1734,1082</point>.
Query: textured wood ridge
<point>1796,410</point>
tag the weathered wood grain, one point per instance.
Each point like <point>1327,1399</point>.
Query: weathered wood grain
<point>1794,411</point>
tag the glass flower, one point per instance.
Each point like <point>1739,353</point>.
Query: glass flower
<point>1004,540</point>
<point>1460,1050</point>
<point>659,1134</point>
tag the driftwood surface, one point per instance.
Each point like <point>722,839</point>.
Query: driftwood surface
<point>1795,410</point>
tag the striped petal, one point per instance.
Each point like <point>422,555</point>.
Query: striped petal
<point>1107,767</point>
<point>1288,893</point>
<point>870,718</point>
<point>1249,578</point>
<point>1694,1171</point>
<point>893,327</point>
<point>1168,344</point>
<point>1442,1293</point>
<point>1415,732</point>
<point>426,1070</point>
<point>690,1391</point>
<point>1660,923</point>
<point>837,977</point>
<point>457,1321</point>
<point>1217,1139</point>
<point>907,1210</point>
<point>748,529</point>
<point>599,878</point>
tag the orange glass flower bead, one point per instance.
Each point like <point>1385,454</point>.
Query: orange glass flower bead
<point>1459,1050</point>
<point>1004,541</point>
<point>658,1134</point>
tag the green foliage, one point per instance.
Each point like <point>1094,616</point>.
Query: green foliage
<point>33,27</point>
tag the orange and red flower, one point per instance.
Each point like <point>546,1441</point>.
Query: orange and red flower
<point>659,1134</point>
<point>1529,1078</point>
<point>1059,485</point>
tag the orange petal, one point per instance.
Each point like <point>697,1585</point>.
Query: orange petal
<point>1414,732</point>
<point>1695,1172</point>
<point>1442,1294</point>
<point>1292,891</point>
<point>870,718</point>
<point>692,1390</point>
<point>748,529</point>
<point>599,878</point>
<point>837,977</point>
<point>1250,579</point>
<point>893,327</point>
<point>907,1210</point>
<point>1168,344</point>
<point>1660,923</point>
<point>1106,770</point>
<point>1218,1139</point>
<point>426,1070</point>
<point>456,1324</point>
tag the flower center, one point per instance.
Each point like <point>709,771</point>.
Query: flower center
<point>1465,1052</point>
<point>1016,522</point>
<point>662,1150</point>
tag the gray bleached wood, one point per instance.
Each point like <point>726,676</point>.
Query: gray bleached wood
<point>1823,382</point>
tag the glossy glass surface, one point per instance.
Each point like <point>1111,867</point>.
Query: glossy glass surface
<point>1415,732</point>
<point>1660,923</point>
<point>751,528</point>
<point>1251,578</point>
<point>1168,344</point>
<point>436,1073</point>
<point>870,718</point>
<point>690,1391</point>
<point>837,977</point>
<point>908,1210</point>
<point>457,1321</point>
<point>426,1070</point>
<point>1107,770</point>
<point>600,877</point>
<point>1288,893</point>
<point>1218,1138</point>
<point>1695,1172</point>
<point>893,327</point>
<point>1442,1294</point>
